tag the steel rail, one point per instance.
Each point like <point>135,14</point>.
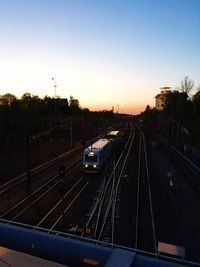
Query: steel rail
<point>24,185</point>
<point>191,170</point>
<point>116,189</point>
<point>36,168</point>
<point>32,194</point>
<point>101,198</point>
<point>68,207</point>
<point>143,168</point>
<point>138,192</point>
<point>149,193</point>
<point>58,203</point>
<point>112,199</point>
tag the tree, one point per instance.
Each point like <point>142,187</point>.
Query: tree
<point>196,107</point>
<point>186,85</point>
<point>31,106</point>
<point>7,99</point>
<point>48,107</point>
<point>196,97</point>
<point>175,105</point>
<point>194,121</point>
<point>8,115</point>
<point>147,108</point>
<point>74,105</point>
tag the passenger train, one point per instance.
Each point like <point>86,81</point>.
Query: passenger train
<point>96,155</point>
<point>113,136</point>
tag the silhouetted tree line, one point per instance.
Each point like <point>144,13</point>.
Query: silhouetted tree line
<point>180,118</point>
<point>32,114</point>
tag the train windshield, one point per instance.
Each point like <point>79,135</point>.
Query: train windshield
<point>91,158</point>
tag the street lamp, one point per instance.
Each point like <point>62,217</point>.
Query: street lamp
<point>55,86</point>
<point>118,102</point>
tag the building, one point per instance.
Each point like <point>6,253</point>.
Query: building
<point>63,102</point>
<point>160,98</point>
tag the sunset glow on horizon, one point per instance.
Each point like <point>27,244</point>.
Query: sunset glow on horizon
<point>100,52</point>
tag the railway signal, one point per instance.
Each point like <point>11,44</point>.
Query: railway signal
<point>83,144</point>
<point>62,171</point>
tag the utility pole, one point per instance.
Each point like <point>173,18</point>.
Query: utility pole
<point>28,162</point>
<point>83,124</point>
<point>55,86</point>
<point>71,132</point>
<point>55,96</point>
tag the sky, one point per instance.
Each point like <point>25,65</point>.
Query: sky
<point>105,53</point>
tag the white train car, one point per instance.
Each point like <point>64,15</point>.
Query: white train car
<point>95,156</point>
<point>113,135</point>
<point>115,138</point>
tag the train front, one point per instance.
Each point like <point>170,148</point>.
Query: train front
<point>90,161</point>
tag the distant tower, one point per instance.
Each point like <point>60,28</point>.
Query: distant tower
<point>160,98</point>
<point>165,89</point>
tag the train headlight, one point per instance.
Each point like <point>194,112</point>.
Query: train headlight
<point>95,165</point>
<point>86,165</point>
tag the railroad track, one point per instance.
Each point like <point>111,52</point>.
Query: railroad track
<point>102,216</point>
<point>57,216</point>
<point>145,233</point>
<point>34,196</point>
<point>7,186</point>
<point>33,199</point>
<point>18,188</point>
<point>15,165</point>
<point>190,169</point>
